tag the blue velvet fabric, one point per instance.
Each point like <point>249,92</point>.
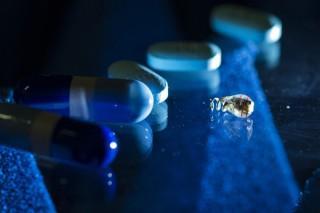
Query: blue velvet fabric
<point>245,173</point>
<point>21,184</point>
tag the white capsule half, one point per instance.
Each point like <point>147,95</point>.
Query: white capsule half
<point>106,100</point>
<point>184,56</point>
<point>246,24</point>
<point>131,70</point>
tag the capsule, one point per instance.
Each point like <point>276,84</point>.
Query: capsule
<point>89,98</point>
<point>184,56</point>
<point>131,70</point>
<point>246,24</point>
<point>56,137</point>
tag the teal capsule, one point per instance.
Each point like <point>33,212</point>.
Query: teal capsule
<point>184,56</point>
<point>246,24</point>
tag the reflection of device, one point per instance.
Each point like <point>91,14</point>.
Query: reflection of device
<point>233,127</point>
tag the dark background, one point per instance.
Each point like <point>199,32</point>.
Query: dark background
<point>85,37</point>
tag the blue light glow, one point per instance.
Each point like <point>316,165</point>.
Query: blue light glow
<point>111,146</point>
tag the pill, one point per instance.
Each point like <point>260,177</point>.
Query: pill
<point>245,24</point>
<point>184,56</point>
<point>134,71</point>
<point>56,137</point>
<point>89,98</point>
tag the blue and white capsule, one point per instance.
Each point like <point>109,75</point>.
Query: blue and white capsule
<point>88,98</point>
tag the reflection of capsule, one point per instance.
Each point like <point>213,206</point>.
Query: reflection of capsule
<point>135,141</point>
<point>158,118</point>
<point>72,188</point>
<point>268,56</point>
<point>90,98</point>
<point>52,136</point>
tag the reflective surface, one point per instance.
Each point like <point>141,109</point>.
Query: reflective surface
<point>206,160</point>
<point>199,161</point>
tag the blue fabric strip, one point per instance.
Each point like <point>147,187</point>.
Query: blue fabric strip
<point>245,173</point>
<point>21,185</point>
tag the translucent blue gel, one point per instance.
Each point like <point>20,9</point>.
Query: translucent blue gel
<point>91,98</point>
<point>45,92</point>
<point>83,142</point>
